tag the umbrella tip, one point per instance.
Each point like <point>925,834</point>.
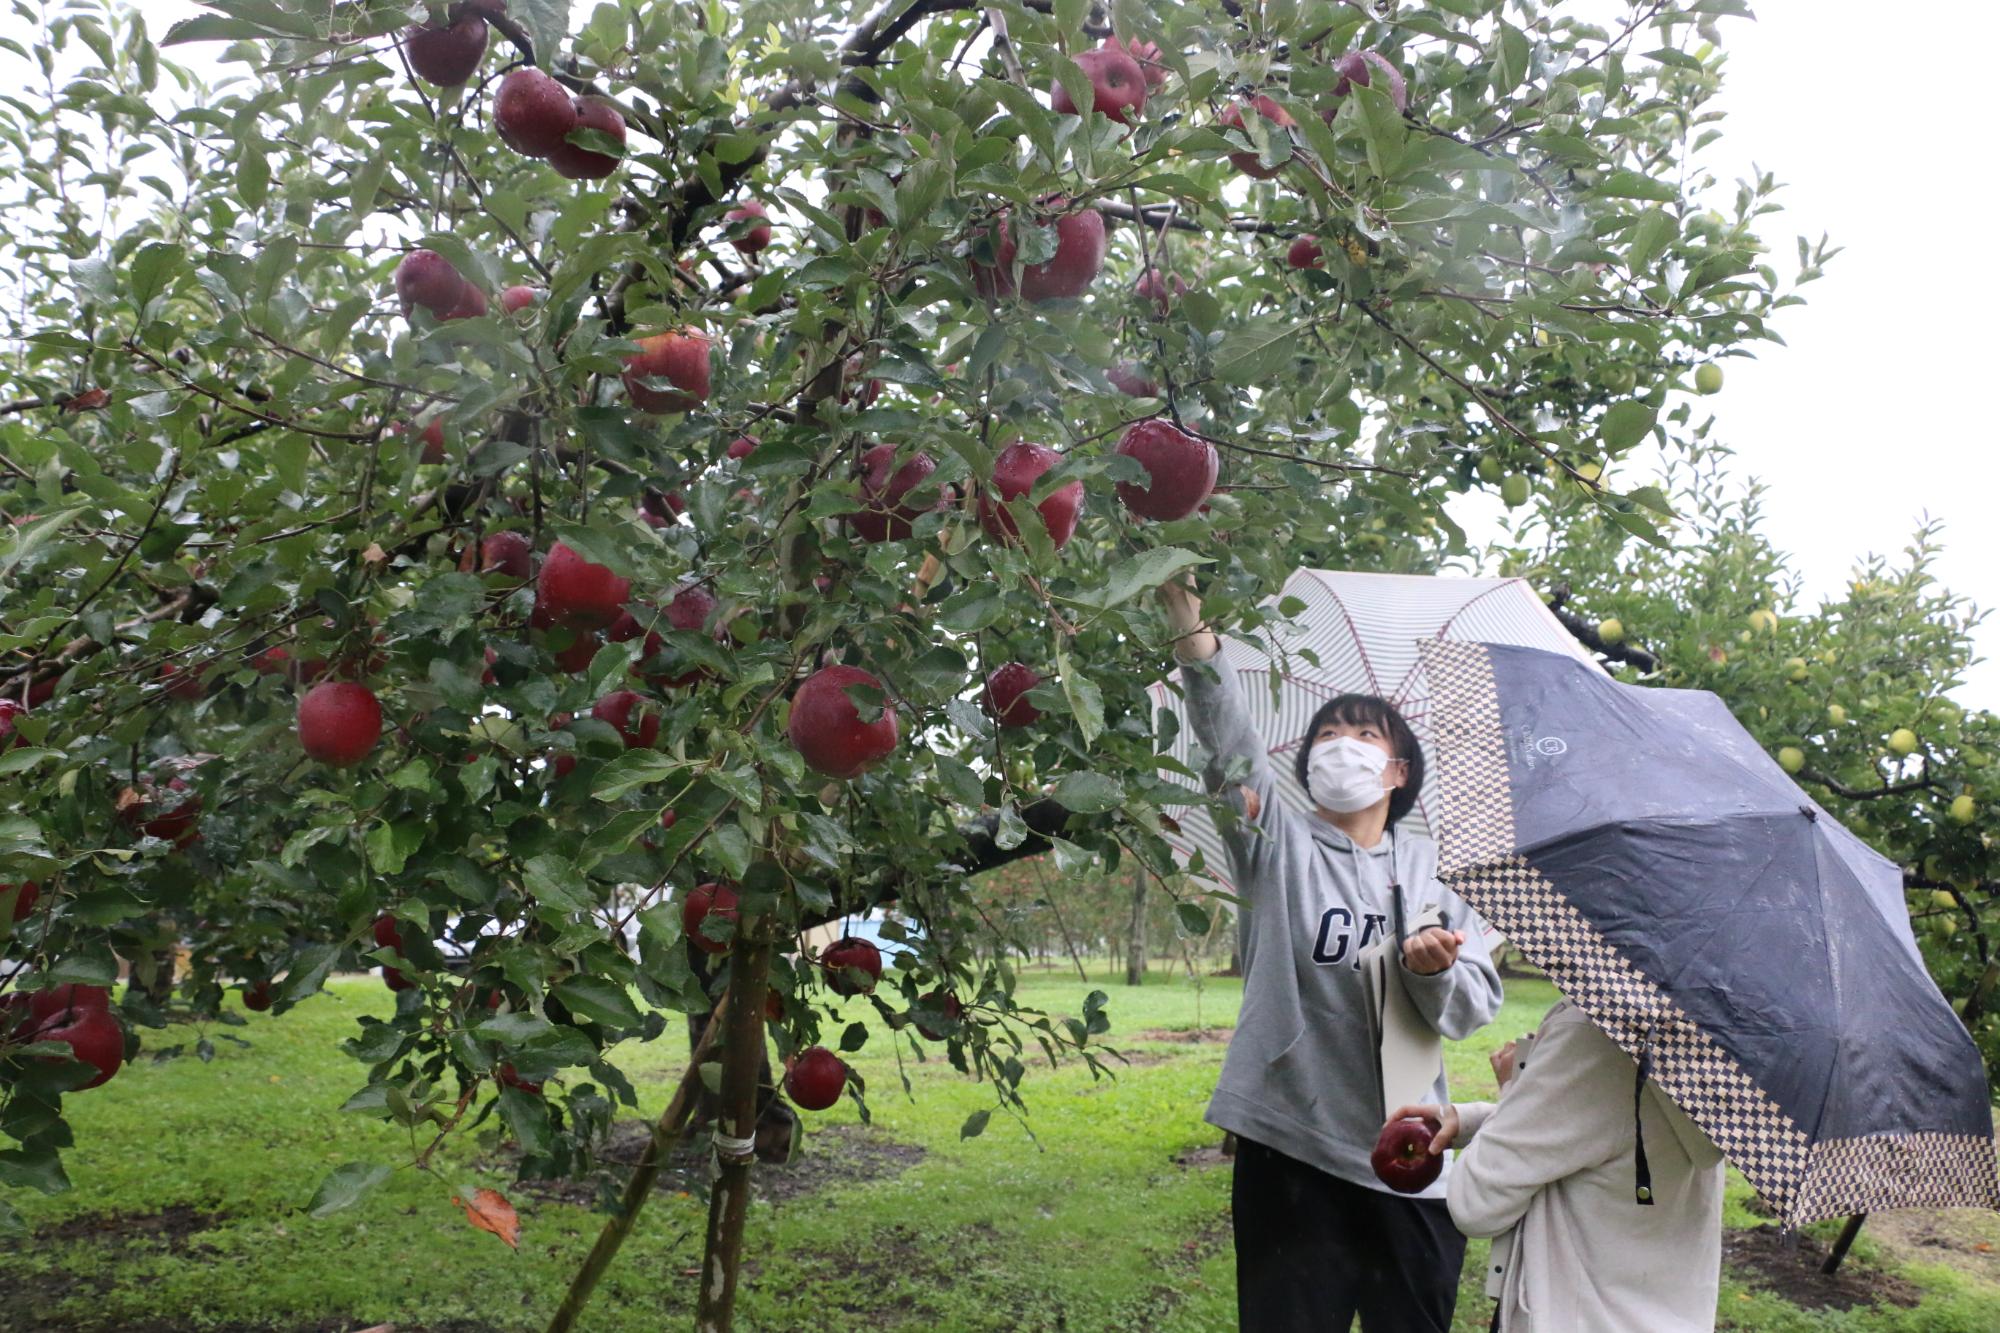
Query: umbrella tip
<point>1809,813</point>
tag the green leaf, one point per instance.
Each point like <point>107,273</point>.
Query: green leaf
<point>974,1126</point>
<point>598,999</point>
<point>1144,572</point>
<point>1627,423</point>
<point>1635,185</point>
<point>1655,230</point>
<point>1088,793</point>
<point>346,1186</point>
<point>556,882</point>
<point>514,1029</point>
<point>1255,354</point>
<point>632,770</point>
<point>527,1116</point>
<point>1194,920</point>
<point>307,972</point>
<point>36,1168</point>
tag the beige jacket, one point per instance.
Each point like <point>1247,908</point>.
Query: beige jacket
<point>1550,1170</point>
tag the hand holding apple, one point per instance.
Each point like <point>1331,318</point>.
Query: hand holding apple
<point>1504,1064</point>
<point>1409,1153</point>
<point>1444,1120</point>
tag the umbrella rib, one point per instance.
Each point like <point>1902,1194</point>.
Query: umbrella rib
<point>1360,647</point>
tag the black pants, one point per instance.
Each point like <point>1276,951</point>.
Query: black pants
<point>1312,1251</point>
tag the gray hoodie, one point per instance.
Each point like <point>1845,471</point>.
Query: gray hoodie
<point>1300,1073</point>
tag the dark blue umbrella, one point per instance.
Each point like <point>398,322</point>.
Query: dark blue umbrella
<point>1753,955</point>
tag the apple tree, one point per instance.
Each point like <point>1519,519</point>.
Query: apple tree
<point>554,500</point>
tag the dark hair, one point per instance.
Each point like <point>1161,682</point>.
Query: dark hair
<point>1369,710</point>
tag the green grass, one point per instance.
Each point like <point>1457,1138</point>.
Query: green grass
<point>1085,1224</point>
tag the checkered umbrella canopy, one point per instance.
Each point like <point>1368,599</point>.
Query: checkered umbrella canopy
<point>1361,631</point>
<point>1721,926</point>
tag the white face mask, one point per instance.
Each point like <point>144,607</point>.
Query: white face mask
<point>1345,775</point>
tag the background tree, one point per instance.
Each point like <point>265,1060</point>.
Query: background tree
<point>423,482</point>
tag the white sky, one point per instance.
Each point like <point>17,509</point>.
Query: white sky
<point>1870,418</point>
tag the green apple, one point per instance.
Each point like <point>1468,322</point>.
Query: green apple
<point>1902,740</point>
<point>1963,808</point>
<point>1589,471</point>
<point>1836,714</point>
<point>1943,898</point>
<point>1490,470</point>
<point>1791,758</point>
<point>1708,378</point>
<point>1795,669</point>
<point>1764,620</point>
<point>1617,377</point>
<point>1611,630</point>
<point>1514,491</point>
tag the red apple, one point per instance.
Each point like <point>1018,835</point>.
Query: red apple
<point>742,446</point>
<point>826,727</point>
<point>1129,378</point>
<point>426,278</point>
<point>1355,69</point>
<point>852,966</point>
<point>576,659</point>
<point>1232,117</point>
<point>67,1003</point>
<point>94,1037</point>
<point>616,709</point>
<point>679,356</point>
<point>388,933</point>
<point>577,592</point>
<point>506,553</point>
<point>395,980</point>
<point>532,112</point>
<point>579,163</point>
<point>339,722</point>
<point>433,438</point>
<point>1015,471</point>
<point>692,607</point>
<point>748,240</point>
<point>446,53</point>
<point>178,825</point>
<point>774,1006</point>
<point>517,298</point>
<point>885,516</point>
<point>1079,255</point>
<point>1117,85</point>
<point>183,683</point>
<point>703,901</point>
<point>815,1079</point>
<point>1154,286</point>
<point>9,710</point>
<point>668,819</point>
<point>952,1008</point>
<point>509,1079</point>
<point>1181,470</point>
<point>1403,1159</point>
<point>1005,699</point>
<point>1305,252</point>
<point>257,996</point>
<point>471,304</point>
<point>24,901</point>
<point>852,388</point>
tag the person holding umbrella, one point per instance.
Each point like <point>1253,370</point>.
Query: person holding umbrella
<point>1318,1238</point>
<point>1603,1218</point>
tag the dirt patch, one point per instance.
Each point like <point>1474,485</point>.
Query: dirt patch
<point>172,1225</point>
<point>1186,1036</point>
<point>1196,1159</point>
<point>1762,1258</point>
<point>1959,1238</point>
<point>836,1155</point>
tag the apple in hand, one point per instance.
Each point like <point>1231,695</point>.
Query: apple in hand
<point>1117,84</point>
<point>1403,1159</point>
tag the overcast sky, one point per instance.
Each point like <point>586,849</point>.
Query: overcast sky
<point>1870,417</point>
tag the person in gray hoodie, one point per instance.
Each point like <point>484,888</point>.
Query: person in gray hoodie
<point>1318,1238</point>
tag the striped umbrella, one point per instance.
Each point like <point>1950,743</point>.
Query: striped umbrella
<point>1362,632</point>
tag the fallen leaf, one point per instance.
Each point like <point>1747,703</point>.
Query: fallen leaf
<point>1983,1247</point>
<point>374,555</point>
<point>490,1211</point>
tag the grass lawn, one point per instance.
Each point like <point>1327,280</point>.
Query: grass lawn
<point>191,1181</point>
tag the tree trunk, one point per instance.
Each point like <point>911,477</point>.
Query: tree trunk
<point>1135,948</point>
<point>742,1057</point>
<point>639,1188</point>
